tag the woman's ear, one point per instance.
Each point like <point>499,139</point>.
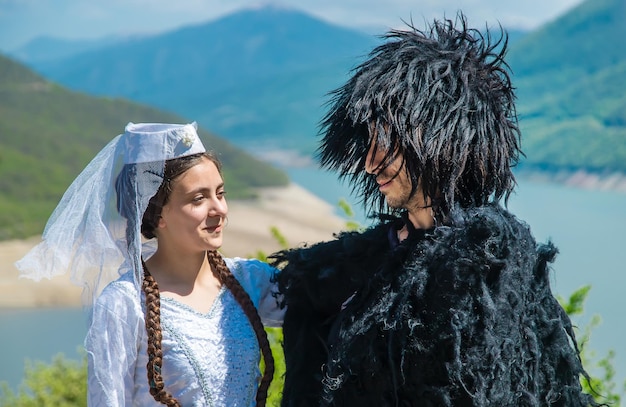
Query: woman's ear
<point>161,222</point>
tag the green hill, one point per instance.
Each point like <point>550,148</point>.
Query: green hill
<point>571,80</point>
<point>48,134</point>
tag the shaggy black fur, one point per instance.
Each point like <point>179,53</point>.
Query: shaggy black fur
<point>443,99</point>
<point>461,315</point>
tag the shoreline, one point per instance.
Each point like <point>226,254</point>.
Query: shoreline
<point>578,179</point>
<point>299,216</point>
<point>602,181</point>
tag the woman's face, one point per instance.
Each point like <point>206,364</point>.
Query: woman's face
<point>194,217</point>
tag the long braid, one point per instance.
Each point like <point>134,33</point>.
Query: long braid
<point>221,271</point>
<point>155,353</point>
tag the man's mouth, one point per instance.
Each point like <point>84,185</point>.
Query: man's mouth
<point>382,185</point>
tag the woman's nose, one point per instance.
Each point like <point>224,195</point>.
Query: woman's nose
<point>219,207</point>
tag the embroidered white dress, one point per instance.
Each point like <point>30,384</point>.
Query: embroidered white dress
<point>209,359</point>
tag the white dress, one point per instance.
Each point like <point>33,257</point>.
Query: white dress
<point>209,359</point>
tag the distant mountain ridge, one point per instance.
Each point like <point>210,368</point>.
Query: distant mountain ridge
<point>258,76</point>
<point>260,79</point>
<point>245,46</point>
<point>46,48</point>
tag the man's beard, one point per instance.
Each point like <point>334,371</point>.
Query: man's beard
<point>399,202</point>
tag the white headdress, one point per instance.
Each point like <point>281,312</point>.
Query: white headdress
<point>96,227</point>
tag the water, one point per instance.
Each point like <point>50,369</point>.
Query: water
<point>587,226</point>
<point>38,335</point>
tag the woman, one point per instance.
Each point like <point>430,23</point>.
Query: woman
<point>178,324</point>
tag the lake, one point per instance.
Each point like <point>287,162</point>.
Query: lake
<point>589,227</point>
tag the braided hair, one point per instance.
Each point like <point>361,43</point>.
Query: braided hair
<point>155,352</point>
<point>173,169</point>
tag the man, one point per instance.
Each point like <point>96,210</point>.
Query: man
<point>446,302</point>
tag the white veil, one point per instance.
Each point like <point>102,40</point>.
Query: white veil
<point>95,231</point>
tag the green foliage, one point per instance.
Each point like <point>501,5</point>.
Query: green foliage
<point>574,305</point>
<point>601,383</point>
<point>345,207</point>
<point>63,383</point>
<point>275,392</point>
<point>279,237</point>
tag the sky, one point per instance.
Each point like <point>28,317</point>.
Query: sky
<point>24,20</point>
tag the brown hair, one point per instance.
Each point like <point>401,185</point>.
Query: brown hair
<point>173,169</point>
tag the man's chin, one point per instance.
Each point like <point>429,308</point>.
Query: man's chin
<point>393,204</point>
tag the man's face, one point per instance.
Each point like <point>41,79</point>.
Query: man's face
<point>393,179</point>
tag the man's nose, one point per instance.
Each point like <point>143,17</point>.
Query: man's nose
<point>371,160</point>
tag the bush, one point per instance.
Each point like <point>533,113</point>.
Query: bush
<point>63,383</point>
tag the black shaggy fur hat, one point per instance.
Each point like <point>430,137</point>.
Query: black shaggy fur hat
<point>443,99</point>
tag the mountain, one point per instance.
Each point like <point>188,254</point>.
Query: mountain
<point>48,48</point>
<point>587,39</point>
<point>48,134</point>
<point>252,76</point>
<point>249,45</point>
<point>571,80</point>
<point>260,79</point>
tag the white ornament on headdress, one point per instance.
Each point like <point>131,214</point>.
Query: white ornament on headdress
<point>188,137</point>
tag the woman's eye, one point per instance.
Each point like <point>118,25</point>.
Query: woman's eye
<point>221,194</point>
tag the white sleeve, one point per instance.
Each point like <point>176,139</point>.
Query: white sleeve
<point>112,346</point>
<point>255,277</point>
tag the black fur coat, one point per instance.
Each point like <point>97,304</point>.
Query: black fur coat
<point>461,315</point>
